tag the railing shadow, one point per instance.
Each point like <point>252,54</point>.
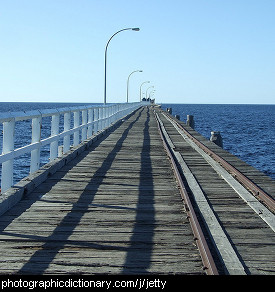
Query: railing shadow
<point>27,200</point>
<point>138,259</point>
<point>72,218</point>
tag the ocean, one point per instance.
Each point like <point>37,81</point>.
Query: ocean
<point>247,130</point>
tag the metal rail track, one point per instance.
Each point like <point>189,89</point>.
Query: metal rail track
<point>230,259</point>
<point>207,259</point>
<point>260,194</point>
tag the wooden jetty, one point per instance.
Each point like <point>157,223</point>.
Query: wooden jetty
<point>117,208</point>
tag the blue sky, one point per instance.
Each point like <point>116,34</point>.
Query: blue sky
<point>191,51</point>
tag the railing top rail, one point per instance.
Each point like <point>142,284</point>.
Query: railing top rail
<point>84,125</point>
<point>23,115</point>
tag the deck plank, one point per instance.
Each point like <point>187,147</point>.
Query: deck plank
<point>115,209</point>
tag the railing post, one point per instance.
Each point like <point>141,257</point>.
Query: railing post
<point>108,114</point>
<point>8,146</point>
<point>100,116</point>
<point>36,137</point>
<point>67,125</point>
<point>84,122</point>
<point>54,132</point>
<point>95,120</point>
<point>113,113</point>
<point>90,120</point>
<point>105,116</point>
<point>76,124</point>
<point>117,112</point>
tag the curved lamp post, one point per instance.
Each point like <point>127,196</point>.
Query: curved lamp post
<point>140,89</point>
<point>147,90</point>
<point>151,93</point>
<point>135,29</point>
<point>128,83</point>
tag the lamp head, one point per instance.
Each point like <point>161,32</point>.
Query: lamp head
<point>135,29</point>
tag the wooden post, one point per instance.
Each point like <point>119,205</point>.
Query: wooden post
<point>84,122</point>
<point>216,138</point>
<point>100,117</point>
<point>76,124</point>
<point>8,146</point>
<point>54,132</point>
<point>90,120</point>
<point>190,121</point>
<point>67,125</point>
<point>36,137</point>
<point>95,120</point>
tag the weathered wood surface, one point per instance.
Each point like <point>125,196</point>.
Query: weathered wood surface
<point>259,178</point>
<point>252,239</point>
<point>114,209</point>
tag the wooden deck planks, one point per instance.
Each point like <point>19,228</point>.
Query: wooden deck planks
<point>252,239</point>
<point>114,209</point>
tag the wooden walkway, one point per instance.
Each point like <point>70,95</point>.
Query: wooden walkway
<point>114,209</point>
<point>117,209</point>
<point>251,238</point>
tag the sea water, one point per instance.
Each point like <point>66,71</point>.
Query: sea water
<point>247,130</point>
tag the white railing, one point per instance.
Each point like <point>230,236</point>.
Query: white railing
<point>87,121</point>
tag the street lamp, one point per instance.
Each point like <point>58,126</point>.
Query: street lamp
<point>105,77</point>
<point>147,90</point>
<point>140,89</point>
<point>128,83</point>
<point>151,92</point>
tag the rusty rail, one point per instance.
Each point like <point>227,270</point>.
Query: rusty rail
<point>207,259</point>
<point>260,194</point>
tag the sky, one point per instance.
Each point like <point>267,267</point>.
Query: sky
<point>191,51</point>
